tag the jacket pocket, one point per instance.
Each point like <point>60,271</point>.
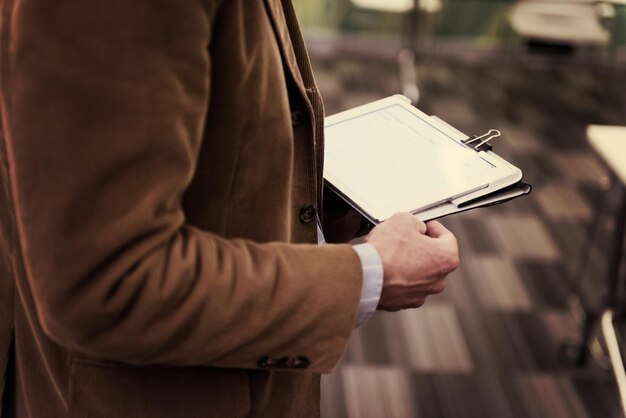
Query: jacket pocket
<point>112,390</point>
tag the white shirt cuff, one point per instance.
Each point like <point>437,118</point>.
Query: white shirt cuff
<point>372,281</point>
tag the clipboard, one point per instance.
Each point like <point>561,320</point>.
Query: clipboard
<point>387,156</point>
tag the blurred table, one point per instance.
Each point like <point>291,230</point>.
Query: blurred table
<point>407,56</point>
<point>609,142</point>
<point>568,22</point>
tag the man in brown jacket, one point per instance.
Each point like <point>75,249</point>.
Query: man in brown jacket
<point>160,166</point>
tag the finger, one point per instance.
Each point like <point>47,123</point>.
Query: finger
<point>418,303</point>
<point>415,303</point>
<point>421,226</point>
<point>437,285</point>
<point>407,219</point>
<point>389,308</point>
<point>437,230</point>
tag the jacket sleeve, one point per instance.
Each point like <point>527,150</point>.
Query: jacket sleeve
<point>103,105</point>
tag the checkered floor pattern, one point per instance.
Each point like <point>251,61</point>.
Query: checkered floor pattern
<point>488,346</point>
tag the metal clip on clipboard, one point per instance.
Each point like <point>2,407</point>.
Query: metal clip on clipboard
<point>482,140</point>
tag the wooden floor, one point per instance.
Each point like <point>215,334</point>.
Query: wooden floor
<point>488,346</point>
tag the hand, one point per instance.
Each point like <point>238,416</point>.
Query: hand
<point>416,259</point>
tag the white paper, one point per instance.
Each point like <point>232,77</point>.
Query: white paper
<point>391,160</point>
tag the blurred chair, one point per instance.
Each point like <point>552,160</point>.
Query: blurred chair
<point>609,143</point>
<point>562,22</point>
<point>406,57</point>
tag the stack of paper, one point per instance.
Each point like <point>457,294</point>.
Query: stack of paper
<point>387,157</point>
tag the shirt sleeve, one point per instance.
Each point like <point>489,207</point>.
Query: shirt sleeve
<point>372,281</point>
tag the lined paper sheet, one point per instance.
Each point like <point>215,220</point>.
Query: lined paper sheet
<point>391,160</point>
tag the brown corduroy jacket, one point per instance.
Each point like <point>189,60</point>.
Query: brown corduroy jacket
<point>160,166</point>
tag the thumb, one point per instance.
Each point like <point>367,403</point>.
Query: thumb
<point>437,230</point>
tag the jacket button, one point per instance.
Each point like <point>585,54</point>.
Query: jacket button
<point>307,213</point>
<point>285,363</point>
<point>265,362</point>
<point>300,362</point>
<point>298,116</point>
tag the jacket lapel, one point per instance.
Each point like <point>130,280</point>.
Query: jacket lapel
<point>296,61</point>
<point>281,29</point>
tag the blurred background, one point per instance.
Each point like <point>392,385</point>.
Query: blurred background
<point>504,339</point>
